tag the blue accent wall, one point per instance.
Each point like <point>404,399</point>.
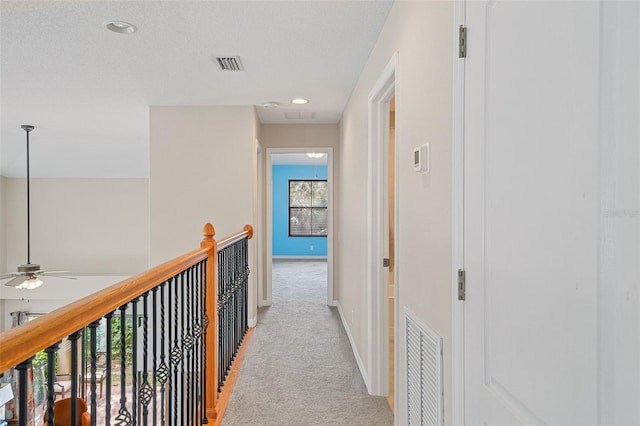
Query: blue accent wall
<point>283,245</point>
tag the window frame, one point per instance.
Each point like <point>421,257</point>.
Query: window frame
<point>311,207</point>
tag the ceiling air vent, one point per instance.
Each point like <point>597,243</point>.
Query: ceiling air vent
<point>299,115</point>
<point>230,63</point>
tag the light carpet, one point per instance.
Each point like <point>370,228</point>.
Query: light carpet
<point>299,368</point>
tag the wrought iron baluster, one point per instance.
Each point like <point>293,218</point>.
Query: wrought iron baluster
<point>183,332</point>
<point>146,393</point>
<point>205,325</point>
<point>221,279</point>
<point>74,375</point>
<point>22,368</point>
<point>134,360</point>
<point>176,352</point>
<point>51,375</point>
<point>107,410</point>
<point>197,370</point>
<point>155,352</point>
<point>124,416</point>
<point>93,372</point>
<point>163,370</point>
<point>170,321</point>
<point>188,342</point>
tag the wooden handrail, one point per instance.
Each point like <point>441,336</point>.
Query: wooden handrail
<point>21,343</point>
<point>247,231</point>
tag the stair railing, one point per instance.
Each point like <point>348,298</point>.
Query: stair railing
<point>156,336</point>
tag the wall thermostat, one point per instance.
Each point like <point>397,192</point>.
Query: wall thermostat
<point>422,158</point>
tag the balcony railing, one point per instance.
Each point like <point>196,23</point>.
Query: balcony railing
<point>161,344</point>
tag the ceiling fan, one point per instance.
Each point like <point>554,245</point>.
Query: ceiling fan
<point>27,276</point>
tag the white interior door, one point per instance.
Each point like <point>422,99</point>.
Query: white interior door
<point>531,212</point>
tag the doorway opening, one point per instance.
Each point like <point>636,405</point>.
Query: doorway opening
<point>299,200</point>
<point>383,245</point>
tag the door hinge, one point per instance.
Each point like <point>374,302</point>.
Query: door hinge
<point>385,262</point>
<point>462,42</point>
<point>462,285</point>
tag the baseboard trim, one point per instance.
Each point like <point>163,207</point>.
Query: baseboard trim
<point>354,349</point>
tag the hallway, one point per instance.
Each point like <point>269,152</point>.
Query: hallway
<point>299,368</point>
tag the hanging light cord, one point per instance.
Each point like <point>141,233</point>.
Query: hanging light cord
<point>28,205</point>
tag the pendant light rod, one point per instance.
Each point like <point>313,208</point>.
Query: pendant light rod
<point>28,128</point>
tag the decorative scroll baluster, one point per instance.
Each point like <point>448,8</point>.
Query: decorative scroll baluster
<point>93,370</point>
<point>124,416</point>
<point>51,376</point>
<point>163,370</point>
<point>205,326</point>
<point>187,341</point>
<point>233,275</point>
<point>146,393</point>
<point>176,352</point>
<point>107,414</point>
<point>222,277</point>
<point>154,367</point>
<point>196,366</point>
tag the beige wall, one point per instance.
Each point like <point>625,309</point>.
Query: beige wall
<point>201,170</point>
<point>96,228</point>
<point>299,135</point>
<point>87,226</point>
<point>421,33</point>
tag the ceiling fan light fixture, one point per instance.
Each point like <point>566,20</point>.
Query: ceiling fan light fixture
<point>30,284</point>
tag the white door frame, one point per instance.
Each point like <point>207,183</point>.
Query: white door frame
<point>267,299</point>
<point>258,231</point>
<point>378,243</point>
<point>457,325</point>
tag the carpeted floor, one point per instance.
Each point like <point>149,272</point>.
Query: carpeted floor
<point>299,368</point>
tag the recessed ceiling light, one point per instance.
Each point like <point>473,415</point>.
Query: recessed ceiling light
<point>121,27</point>
<point>271,104</point>
<point>300,101</point>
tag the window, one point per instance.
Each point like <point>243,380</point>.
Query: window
<point>308,208</point>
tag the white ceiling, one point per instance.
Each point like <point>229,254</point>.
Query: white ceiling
<point>88,90</point>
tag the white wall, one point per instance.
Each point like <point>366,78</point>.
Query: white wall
<point>202,170</point>
<point>422,34</point>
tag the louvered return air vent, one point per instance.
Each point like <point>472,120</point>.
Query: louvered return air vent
<point>424,374</point>
<point>230,63</point>
<point>299,115</point>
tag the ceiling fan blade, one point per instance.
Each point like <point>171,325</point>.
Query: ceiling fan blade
<point>52,272</point>
<point>17,281</point>
<point>9,275</point>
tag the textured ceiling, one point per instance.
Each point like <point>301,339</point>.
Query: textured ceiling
<point>88,90</point>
